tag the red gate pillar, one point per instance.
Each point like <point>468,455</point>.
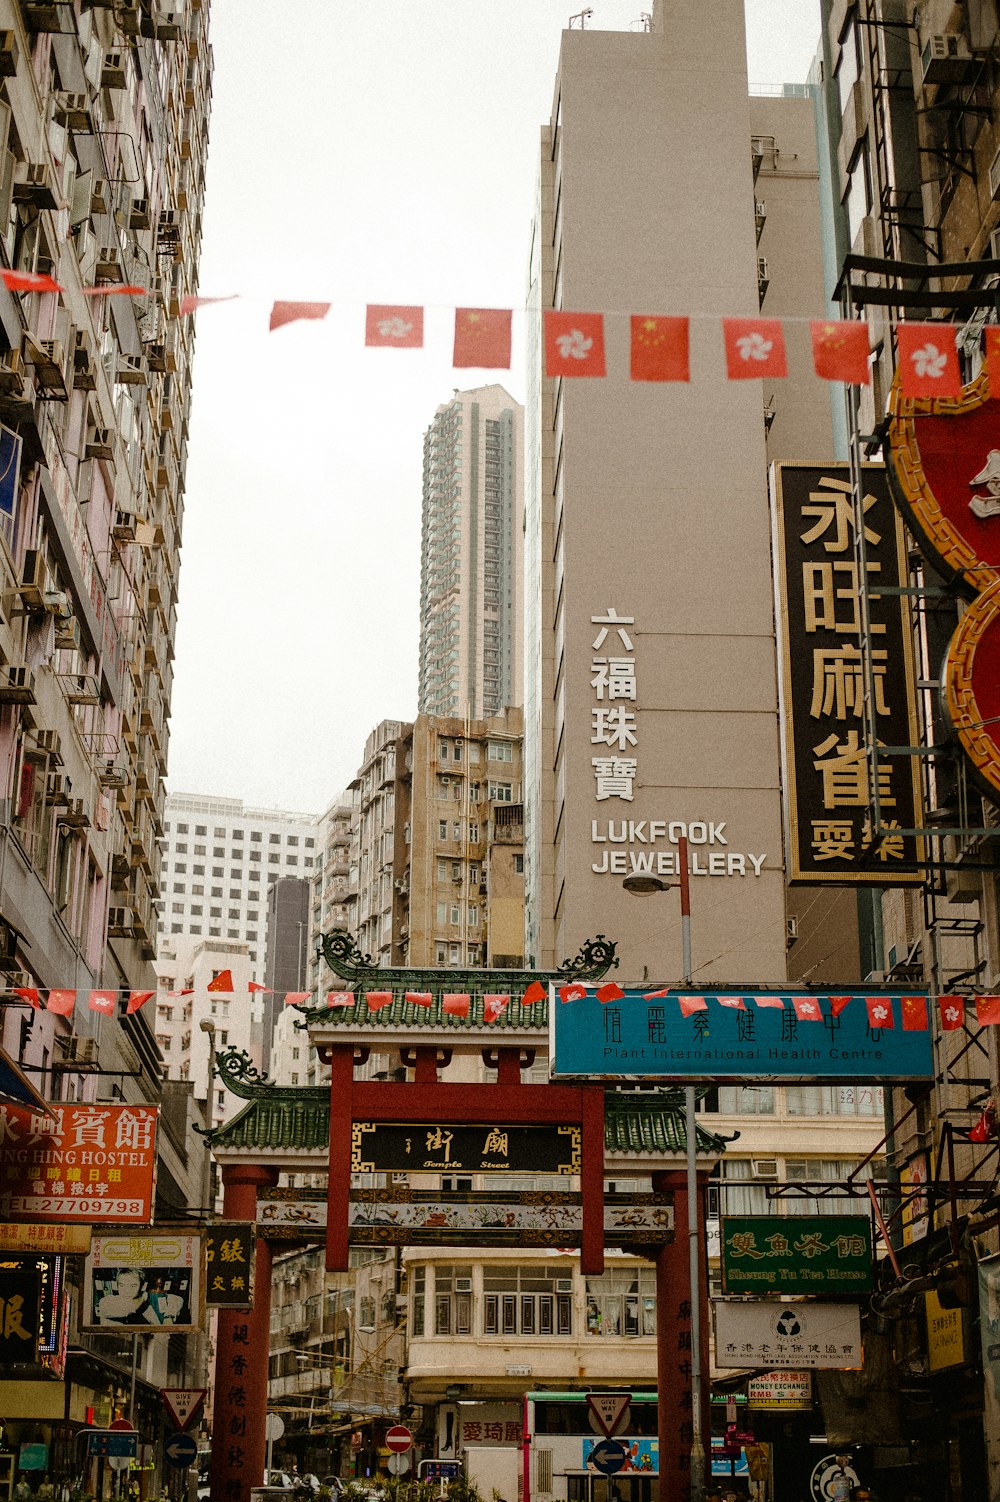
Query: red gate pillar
<point>673,1344</point>
<point>243,1339</point>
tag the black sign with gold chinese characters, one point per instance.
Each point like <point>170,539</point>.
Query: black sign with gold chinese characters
<point>20,1315</point>
<point>832,834</point>
<point>229,1259</point>
<point>392,1146</point>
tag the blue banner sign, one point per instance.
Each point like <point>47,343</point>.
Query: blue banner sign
<point>854,1034</point>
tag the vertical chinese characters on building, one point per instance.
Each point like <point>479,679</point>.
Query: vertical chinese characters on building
<point>613,723</point>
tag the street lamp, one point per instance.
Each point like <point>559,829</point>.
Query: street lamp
<point>644,886</point>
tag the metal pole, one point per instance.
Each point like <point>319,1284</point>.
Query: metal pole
<point>694,1261</point>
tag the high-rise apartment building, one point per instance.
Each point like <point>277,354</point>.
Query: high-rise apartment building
<point>471,556</point>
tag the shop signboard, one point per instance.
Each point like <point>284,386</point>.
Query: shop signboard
<point>49,1239</point>
<point>84,1163</point>
<point>945,1337</point>
<point>796,1254</point>
<point>20,1315</point>
<point>758,1332</point>
<point>146,1282</point>
<point>855,1034</point>
<point>780,1390</point>
<point>394,1146</point>
<point>229,1263</point>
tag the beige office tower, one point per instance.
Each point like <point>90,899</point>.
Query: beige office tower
<point>651,708</point>
<point>471,556</point>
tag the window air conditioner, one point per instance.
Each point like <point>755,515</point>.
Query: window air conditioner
<point>75,815</point>
<point>113,70</point>
<point>99,196</point>
<point>123,529</point>
<point>764,1168</point>
<point>463,1285</point>
<point>8,54</point>
<point>945,58</point>
<point>72,110</point>
<point>34,578</point>
<point>99,444</point>
<point>120,922</point>
<point>132,371</point>
<point>35,183</point>
<point>139,214</point>
<point>17,684</point>
<point>109,264</point>
<point>49,742</point>
<point>11,373</point>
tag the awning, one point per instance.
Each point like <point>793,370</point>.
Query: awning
<point>15,1088</point>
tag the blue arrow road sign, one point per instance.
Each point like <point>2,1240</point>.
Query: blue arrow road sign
<point>108,1443</point>
<point>180,1450</point>
<point>607,1456</point>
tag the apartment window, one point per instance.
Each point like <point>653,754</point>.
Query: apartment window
<point>834,1100</point>
<point>178,886</point>
<point>200,850</point>
<point>273,859</point>
<point>622,1302</point>
<point>440,954</point>
<point>456,830</point>
<point>499,751</point>
<point>850,65</point>
<point>740,1194</point>
<point>182,829</point>
<point>527,1301</point>
<point>310,842</point>
<point>254,856</point>
<point>251,936</point>
<point>442,913</point>
<point>177,907</point>
<point>453,1300</point>
<point>198,870</point>
<point>473,913</point>
<point>442,829</point>
<point>858,199</point>
<point>216,891</point>
<point>182,849</point>
<point>237,834</point>
<point>293,839</point>
<point>442,870</point>
<point>455,915</point>
<point>746,1100</point>
<point>274,839</point>
<point>252,915</point>
<point>418,1297</point>
<point>255,836</point>
<point>195,928</point>
<point>215,912</point>
<point>180,867</point>
<point>201,829</point>
<point>196,910</point>
<point>474,956</point>
<point>218,871</point>
<point>443,750</point>
<point>454,954</point>
<point>501,792</point>
<point>519,865</point>
<point>235,892</point>
<point>474,834</point>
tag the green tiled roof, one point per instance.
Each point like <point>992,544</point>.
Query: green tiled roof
<point>399,1013</point>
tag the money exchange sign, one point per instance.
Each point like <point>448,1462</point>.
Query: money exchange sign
<point>785,1254</point>
<point>826,679</point>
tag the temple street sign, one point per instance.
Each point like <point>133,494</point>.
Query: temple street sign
<point>393,1146</point>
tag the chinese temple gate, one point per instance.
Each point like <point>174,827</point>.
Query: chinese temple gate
<point>431,1125</point>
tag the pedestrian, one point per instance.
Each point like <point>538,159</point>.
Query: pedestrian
<point>22,1490</point>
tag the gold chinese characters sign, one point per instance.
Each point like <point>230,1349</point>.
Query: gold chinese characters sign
<point>832,784</point>
<point>393,1146</point>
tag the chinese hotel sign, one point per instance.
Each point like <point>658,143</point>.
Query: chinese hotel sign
<point>796,1254</point>
<point>393,1146</point>
<point>78,1162</point>
<point>826,679</point>
<point>725,1034</point>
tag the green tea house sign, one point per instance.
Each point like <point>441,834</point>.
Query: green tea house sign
<point>796,1254</point>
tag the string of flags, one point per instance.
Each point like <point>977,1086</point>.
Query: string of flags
<point>659,351</point>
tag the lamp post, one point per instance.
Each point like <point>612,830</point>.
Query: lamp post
<point>643,886</point>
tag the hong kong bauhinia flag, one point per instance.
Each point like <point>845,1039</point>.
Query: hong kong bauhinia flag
<point>755,348</point>
<point>952,1009</point>
<point>841,351</point>
<point>928,360</point>
<point>879,1011</point>
<point>386,325</point>
<point>807,1009</point>
<point>660,348</point>
<point>574,344</point>
<point>482,338</point>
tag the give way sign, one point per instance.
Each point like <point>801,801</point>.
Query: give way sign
<point>609,1412</point>
<point>182,1403</point>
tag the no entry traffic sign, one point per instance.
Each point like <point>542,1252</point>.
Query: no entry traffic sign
<point>398,1439</point>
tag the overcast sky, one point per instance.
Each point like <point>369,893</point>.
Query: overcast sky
<point>377,151</point>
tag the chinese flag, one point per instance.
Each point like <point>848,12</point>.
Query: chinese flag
<point>610,991</point>
<point>62,1002</point>
<point>660,349</point>
<point>574,344</point>
<point>341,999</point>
<point>103,1001</point>
<point>755,347</point>
<point>253,985</point>
<point>123,289</point>
<point>290,312</point>
<point>778,1002</point>
<point>482,338</point>
<point>574,992</point>
<point>985,1127</point>
<point>840,351</point>
<point>914,1009</point>
<point>838,1003</point>
<point>191,304</point>
<point>402,327</point>
<point>807,1009</point>
<point>736,1003</point>
<point>296,998</point>
<point>137,999</point>
<point>30,995</point>
<point>952,1012</point>
<point>28,281</point>
<point>222,982</point>
<point>535,992</point>
<point>879,1011</point>
<point>494,1007</point>
<point>653,995</point>
<point>691,1004</point>
<point>456,1004</point>
<point>928,359</point>
<point>376,999</point>
<point>991,354</point>
<point>417,998</point>
<point>988,1010</point>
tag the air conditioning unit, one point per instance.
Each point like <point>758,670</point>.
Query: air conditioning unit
<point>72,110</point>
<point>945,58</point>
<point>131,371</point>
<point>56,602</point>
<point>564,1285</point>
<point>168,27</point>
<point>68,635</point>
<point>463,1285</point>
<point>49,360</point>
<point>46,15</point>
<point>764,1168</point>
<point>81,688</point>
<point>79,1050</point>
<point>84,363</point>
<point>34,578</point>
<point>75,815</point>
<point>169,224</point>
<point>99,198</point>
<point>57,789</point>
<point>11,373</point>
<point>99,444</point>
<point>48,741</point>
<point>17,684</point>
<point>109,264</point>
<point>791,931</point>
<point>36,183</point>
<point>120,922</point>
<point>156,358</point>
<point>123,529</point>
<point>138,217</point>
<point>111,773</point>
<point>113,70</point>
<point>8,54</point>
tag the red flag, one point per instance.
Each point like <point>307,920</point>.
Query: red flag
<point>30,995</point>
<point>419,998</point>
<point>879,1011</point>
<point>190,304</point>
<point>61,1002</point>
<point>402,327</point>
<point>482,338</point>
<point>928,359</point>
<point>494,1007</point>
<point>120,289</point>
<point>28,281</point>
<point>574,992</point>
<point>103,1001</point>
<point>735,1002</point>
<point>991,354</point>
<point>838,1003</point>
<point>291,312</point>
<point>691,1004</point>
<point>574,344</point>
<point>535,992</point>
<point>755,347</point>
<point>660,349</point>
<point>296,998</point>
<point>988,1010</point>
<point>952,1012</point>
<point>222,982</point>
<point>653,995</point>
<point>914,1014</point>
<point>840,351</point>
<point>777,1002</point>
<point>807,1009</point>
<point>377,1000</point>
<point>985,1127</point>
<point>456,1004</point>
<point>137,999</point>
<point>610,991</point>
<point>188,991</point>
<point>253,985</point>
<point>342,999</point>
